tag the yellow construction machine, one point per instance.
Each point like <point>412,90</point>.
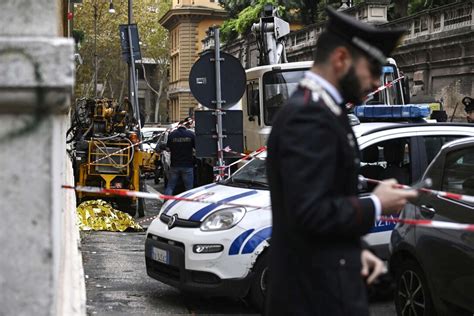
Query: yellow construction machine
<point>107,151</point>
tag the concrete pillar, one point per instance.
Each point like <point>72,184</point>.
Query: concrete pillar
<point>40,269</point>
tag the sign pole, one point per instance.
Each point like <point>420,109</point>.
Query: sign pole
<point>133,89</point>
<point>219,113</point>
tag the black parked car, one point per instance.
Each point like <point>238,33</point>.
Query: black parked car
<point>434,268</point>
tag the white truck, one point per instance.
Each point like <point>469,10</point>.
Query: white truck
<point>270,85</point>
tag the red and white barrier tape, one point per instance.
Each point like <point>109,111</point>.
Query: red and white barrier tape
<point>449,195</point>
<point>383,87</point>
<point>229,150</point>
<point>379,89</point>
<point>155,196</point>
<point>162,197</point>
<point>252,155</point>
<point>429,223</point>
<point>222,169</point>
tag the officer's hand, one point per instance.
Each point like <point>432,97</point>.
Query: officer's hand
<point>393,199</point>
<point>372,266</point>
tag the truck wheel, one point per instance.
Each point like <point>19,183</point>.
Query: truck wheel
<point>412,296</point>
<point>258,288</point>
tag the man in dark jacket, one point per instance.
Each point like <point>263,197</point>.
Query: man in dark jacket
<point>181,144</point>
<point>316,263</point>
<point>469,108</point>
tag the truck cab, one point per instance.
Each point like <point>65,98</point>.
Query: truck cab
<point>269,87</point>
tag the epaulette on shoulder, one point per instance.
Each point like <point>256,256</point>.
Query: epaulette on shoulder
<point>315,92</point>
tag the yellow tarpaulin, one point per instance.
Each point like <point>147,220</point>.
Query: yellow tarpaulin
<point>100,215</point>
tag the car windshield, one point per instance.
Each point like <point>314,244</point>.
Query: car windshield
<point>278,86</point>
<point>253,174</point>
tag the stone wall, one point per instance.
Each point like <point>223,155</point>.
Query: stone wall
<point>41,268</point>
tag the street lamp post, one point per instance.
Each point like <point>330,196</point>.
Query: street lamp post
<point>95,49</point>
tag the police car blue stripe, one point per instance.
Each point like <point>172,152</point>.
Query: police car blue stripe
<point>188,194</point>
<point>383,226</point>
<point>237,243</point>
<point>257,239</point>
<point>207,209</point>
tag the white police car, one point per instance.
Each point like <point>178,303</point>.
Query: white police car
<point>220,250</point>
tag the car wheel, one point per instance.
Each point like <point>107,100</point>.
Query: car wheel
<point>412,295</point>
<point>258,288</point>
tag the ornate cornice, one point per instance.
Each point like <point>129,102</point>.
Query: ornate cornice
<point>173,16</point>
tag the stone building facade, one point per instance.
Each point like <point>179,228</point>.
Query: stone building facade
<point>437,53</point>
<point>187,22</point>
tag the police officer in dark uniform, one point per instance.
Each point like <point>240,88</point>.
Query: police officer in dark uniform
<point>181,144</point>
<point>316,262</point>
<point>469,108</point>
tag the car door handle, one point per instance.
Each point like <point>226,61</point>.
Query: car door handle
<point>427,210</point>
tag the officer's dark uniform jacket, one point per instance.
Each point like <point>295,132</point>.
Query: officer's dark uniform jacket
<point>181,143</point>
<point>318,219</point>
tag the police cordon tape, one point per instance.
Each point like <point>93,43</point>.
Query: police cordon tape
<point>252,155</point>
<point>245,156</point>
<point>449,195</point>
<point>383,87</point>
<point>222,174</point>
<point>379,89</point>
<point>162,197</point>
<point>429,223</point>
<point>154,196</point>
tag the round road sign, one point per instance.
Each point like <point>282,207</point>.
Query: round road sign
<point>202,80</point>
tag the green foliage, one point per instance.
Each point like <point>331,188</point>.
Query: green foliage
<point>244,20</point>
<point>233,7</point>
<point>307,11</point>
<point>416,6</point>
<point>112,70</point>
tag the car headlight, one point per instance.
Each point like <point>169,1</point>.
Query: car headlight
<point>223,219</point>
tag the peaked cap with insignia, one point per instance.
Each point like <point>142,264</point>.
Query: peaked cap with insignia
<point>375,42</point>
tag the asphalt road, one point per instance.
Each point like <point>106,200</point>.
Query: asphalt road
<point>117,283</point>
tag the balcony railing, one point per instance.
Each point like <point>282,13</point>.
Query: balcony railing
<point>303,38</point>
<point>446,18</point>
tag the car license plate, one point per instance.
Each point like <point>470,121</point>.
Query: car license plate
<point>160,255</point>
